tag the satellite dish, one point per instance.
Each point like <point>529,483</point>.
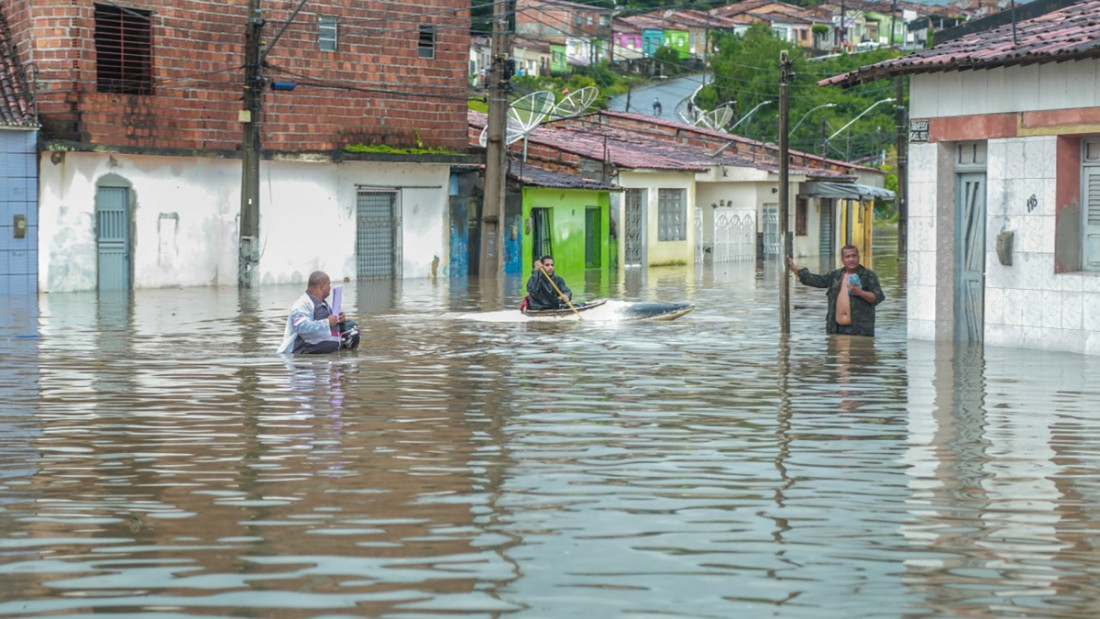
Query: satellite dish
<point>575,103</point>
<point>524,114</point>
<point>716,119</point>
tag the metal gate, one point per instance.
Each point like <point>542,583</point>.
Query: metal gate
<point>771,229</point>
<point>112,218</point>
<point>377,234</point>
<point>969,256</point>
<point>734,234</point>
<point>827,235</point>
<point>633,228</point>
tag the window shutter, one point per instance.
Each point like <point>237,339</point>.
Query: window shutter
<point>1090,215</point>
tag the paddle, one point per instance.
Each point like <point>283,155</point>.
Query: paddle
<point>558,290</point>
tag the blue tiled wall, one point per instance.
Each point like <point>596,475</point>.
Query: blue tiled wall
<point>18,196</point>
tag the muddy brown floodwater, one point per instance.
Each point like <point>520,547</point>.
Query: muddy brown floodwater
<point>158,460</point>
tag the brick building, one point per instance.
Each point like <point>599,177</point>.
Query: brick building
<point>140,105</point>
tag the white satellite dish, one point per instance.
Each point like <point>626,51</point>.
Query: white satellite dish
<point>716,119</point>
<point>524,114</point>
<point>575,103</point>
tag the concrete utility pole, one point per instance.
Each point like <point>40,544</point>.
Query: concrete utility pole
<point>903,170</point>
<point>491,263</point>
<point>249,116</point>
<point>785,76</point>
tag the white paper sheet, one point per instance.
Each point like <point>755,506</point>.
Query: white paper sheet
<point>337,299</point>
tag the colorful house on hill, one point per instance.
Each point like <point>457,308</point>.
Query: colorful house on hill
<point>1004,184</point>
<point>18,172</point>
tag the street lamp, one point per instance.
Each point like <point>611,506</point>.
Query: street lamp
<point>807,114</point>
<point>747,116</point>
<point>861,114</point>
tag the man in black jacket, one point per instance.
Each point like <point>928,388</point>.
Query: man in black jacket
<point>853,292</point>
<point>540,293</point>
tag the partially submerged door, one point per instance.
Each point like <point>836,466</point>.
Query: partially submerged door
<point>376,235</point>
<point>634,228</point>
<point>970,188</point>
<point>113,238</point>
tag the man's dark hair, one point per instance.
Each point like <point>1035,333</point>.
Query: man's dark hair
<point>849,246</point>
<point>546,257</point>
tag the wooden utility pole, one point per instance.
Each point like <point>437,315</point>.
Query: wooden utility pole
<point>903,169</point>
<point>248,249</point>
<point>491,262</point>
<point>785,76</point>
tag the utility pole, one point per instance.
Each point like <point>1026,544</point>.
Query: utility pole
<point>903,169</point>
<point>785,76</point>
<point>490,264</point>
<point>249,116</point>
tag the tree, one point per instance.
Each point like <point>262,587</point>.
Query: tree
<point>746,70</point>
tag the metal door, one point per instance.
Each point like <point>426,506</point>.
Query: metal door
<point>827,240</point>
<point>969,256</point>
<point>634,228</point>
<point>771,229</point>
<point>113,238</point>
<point>377,232</point>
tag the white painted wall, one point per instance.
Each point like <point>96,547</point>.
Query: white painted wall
<point>667,252</point>
<point>1047,86</point>
<point>185,218</point>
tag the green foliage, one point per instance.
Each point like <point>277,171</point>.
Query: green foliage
<point>746,70</point>
<point>393,150</point>
<point>669,60</point>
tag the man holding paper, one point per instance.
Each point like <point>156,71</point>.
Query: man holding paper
<point>312,326</point>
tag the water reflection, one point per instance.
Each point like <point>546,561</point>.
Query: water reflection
<point>159,460</point>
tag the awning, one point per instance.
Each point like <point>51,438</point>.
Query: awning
<point>847,191</point>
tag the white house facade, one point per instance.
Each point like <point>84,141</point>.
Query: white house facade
<point>180,216</point>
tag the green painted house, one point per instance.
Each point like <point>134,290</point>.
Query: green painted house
<point>568,217</point>
<point>678,40</point>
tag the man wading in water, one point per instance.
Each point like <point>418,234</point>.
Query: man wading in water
<point>853,293</point>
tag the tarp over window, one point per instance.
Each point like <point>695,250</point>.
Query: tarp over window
<point>844,191</point>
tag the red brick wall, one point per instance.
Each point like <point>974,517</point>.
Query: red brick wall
<point>374,89</point>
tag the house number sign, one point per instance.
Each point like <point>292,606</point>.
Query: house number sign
<point>918,130</point>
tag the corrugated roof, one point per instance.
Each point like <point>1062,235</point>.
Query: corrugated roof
<point>1071,33</point>
<point>16,102</point>
<point>536,176</point>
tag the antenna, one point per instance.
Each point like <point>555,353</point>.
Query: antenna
<point>716,119</point>
<point>524,114</point>
<point>575,103</point>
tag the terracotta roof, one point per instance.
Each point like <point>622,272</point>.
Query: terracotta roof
<point>536,176</point>
<point>1071,33</point>
<point>632,149</point>
<point>16,102</point>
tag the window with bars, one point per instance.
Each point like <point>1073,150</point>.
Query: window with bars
<point>124,50</point>
<point>671,221</point>
<point>425,46</point>
<point>327,33</point>
<point>800,214</point>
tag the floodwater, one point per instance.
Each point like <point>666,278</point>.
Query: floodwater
<point>158,460</point>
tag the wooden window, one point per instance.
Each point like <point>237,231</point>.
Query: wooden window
<point>124,50</point>
<point>425,47</point>
<point>800,209</point>
<point>327,34</point>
